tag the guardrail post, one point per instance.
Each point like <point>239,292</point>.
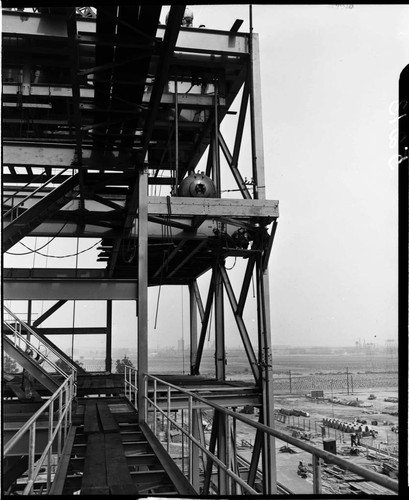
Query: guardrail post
<point>154,406</point>
<point>190,419</point>
<point>196,416</point>
<point>316,474</point>
<point>145,405</point>
<point>135,388</point>
<point>168,420</point>
<point>66,396</point>
<point>31,452</point>
<point>183,442</point>
<point>59,427</point>
<point>50,433</point>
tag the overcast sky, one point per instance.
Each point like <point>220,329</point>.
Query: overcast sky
<point>329,92</point>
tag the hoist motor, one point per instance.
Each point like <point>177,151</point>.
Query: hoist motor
<point>197,185</point>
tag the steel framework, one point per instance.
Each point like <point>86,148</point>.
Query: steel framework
<point>100,114</point>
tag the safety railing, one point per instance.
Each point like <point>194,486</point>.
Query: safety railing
<point>21,189</point>
<point>59,408</point>
<point>163,398</point>
<point>21,335</point>
<point>13,212</point>
<point>131,384</point>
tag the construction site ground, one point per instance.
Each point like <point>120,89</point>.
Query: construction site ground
<point>372,453</point>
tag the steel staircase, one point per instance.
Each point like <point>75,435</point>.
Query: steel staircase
<point>109,453</point>
<point>18,340</point>
<point>20,221</point>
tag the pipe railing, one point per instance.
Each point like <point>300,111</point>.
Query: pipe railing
<point>161,403</point>
<point>130,382</point>
<point>57,433</point>
<point>19,339</point>
<point>14,209</point>
<point>36,179</point>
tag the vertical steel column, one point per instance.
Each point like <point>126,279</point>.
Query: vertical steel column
<point>316,473</point>
<point>196,424</point>
<point>256,119</point>
<point>193,327</point>
<point>222,454</point>
<point>265,354</point>
<point>219,324</point>
<point>142,289</point>
<point>222,436</point>
<point>108,355</point>
<point>216,150</point>
<point>176,139</point>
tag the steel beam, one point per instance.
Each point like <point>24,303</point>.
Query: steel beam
<point>222,453</point>
<point>241,325</point>
<point>49,312</point>
<point>233,167</point>
<point>265,355</point>
<point>196,426</point>
<point>256,122</point>
<point>246,285</point>
<point>193,327</point>
<point>108,355</point>
<point>39,25</point>
<point>33,217</point>
<point>205,322</point>
<point>213,207</point>
<point>68,330</point>
<point>188,258</point>
<point>69,289</point>
<point>190,39</point>
<point>220,355</point>
<point>267,252</point>
<point>142,294</point>
<point>54,155</point>
<point>212,447</point>
<point>198,298</point>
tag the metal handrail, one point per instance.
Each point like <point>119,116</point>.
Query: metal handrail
<point>131,387</point>
<point>65,394</point>
<point>50,180</point>
<point>29,346</point>
<point>40,339</point>
<point>22,188</point>
<point>317,453</point>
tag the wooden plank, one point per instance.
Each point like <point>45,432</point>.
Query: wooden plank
<point>95,473</point>
<point>64,460</point>
<point>95,490</point>
<point>118,476</point>
<point>123,489</point>
<point>91,418</point>
<point>107,419</point>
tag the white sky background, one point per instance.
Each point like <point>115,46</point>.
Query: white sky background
<point>329,79</point>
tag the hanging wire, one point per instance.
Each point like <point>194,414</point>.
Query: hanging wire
<point>36,250</point>
<point>230,268</point>
<point>56,256</point>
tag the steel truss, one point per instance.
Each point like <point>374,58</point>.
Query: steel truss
<point>136,108</point>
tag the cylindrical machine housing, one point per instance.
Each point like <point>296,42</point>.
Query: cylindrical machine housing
<point>197,185</point>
